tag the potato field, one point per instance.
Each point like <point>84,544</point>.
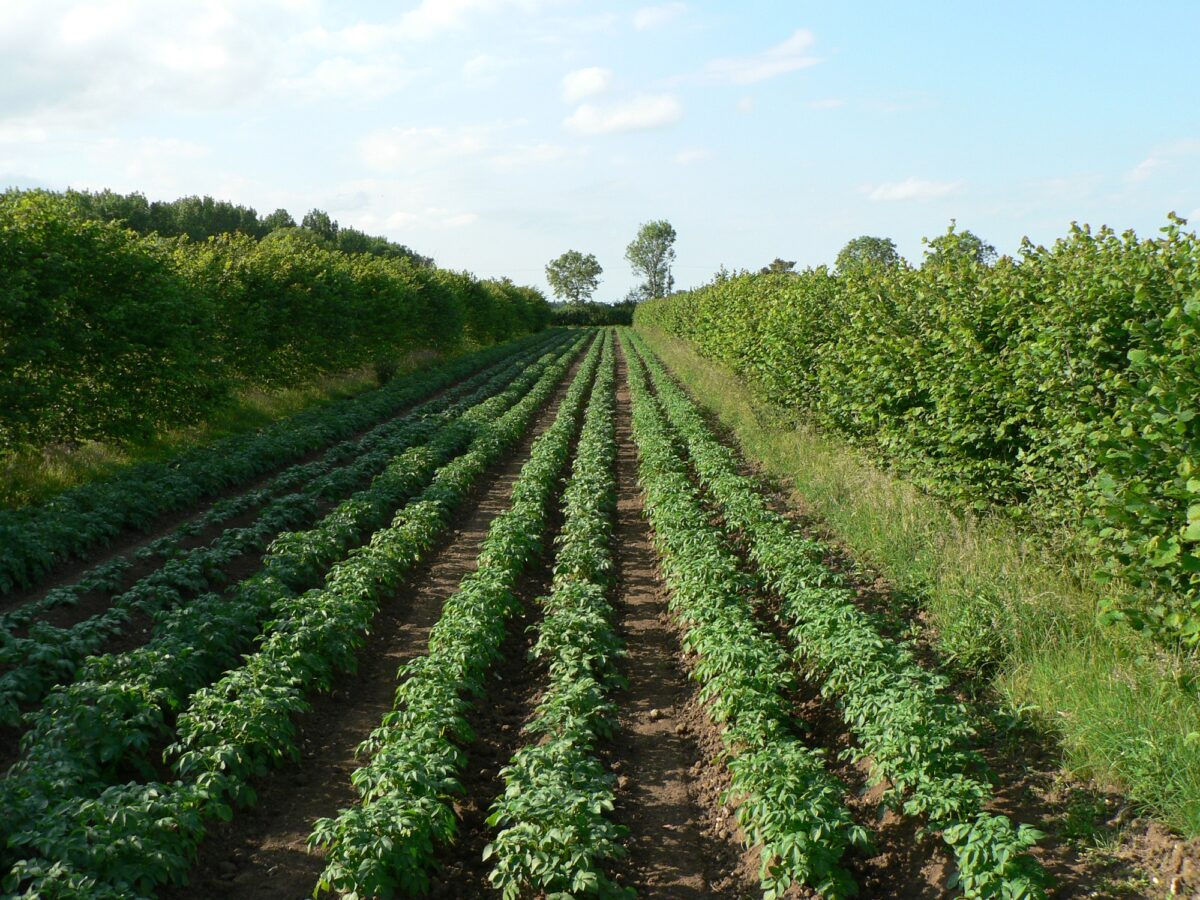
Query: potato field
<point>522,624</point>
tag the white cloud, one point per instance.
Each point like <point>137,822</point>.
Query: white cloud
<point>584,83</point>
<point>827,103</point>
<point>428,20</point>
<point>412,148</point>
<point>912,189</point>
<point>641,113</point>
<point>484,67</point>
<point>654,16</point>
<point>789,56</point>
<point>1164,157</point>
<point>745,105</point>
<point>692,154</point>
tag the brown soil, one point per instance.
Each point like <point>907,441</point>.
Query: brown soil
<point>263,852</point>
<point>681,843</point>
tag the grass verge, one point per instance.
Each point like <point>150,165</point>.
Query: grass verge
<point>35,474</point>
<point>1017,617</point>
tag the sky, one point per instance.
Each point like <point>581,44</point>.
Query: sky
<point>495,134</point>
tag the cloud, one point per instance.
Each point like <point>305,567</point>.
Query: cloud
<point>584,83</point>
<point>912,189</point>
<point>413,148</point>
<point>789,56</point>
<point>427,21</point>
<point>1164,157</point>
<point>827,103</point>
<point>654,16</point>
<point>643,112</point>
<point>692,154</point>
<point>745,105</point>
<point>90,63</point>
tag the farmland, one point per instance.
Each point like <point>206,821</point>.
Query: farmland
<point>522,623</point>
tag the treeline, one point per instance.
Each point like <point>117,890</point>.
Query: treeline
<point>590,313</point>
<point>1061,387</point>
<point>203,217</point>
<point>106,333</point>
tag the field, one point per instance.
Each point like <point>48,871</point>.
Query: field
<point>522,624</point>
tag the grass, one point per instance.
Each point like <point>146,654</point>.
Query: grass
<point>35,474</point>
<point>1017,616</point>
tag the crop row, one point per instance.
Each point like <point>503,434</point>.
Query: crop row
<point>554,833</point>
<point>913,735</point>
<point>122,704</point>
<point>108,576</point>
<point>786,800</point>
<point>47,654</point>
<point>386,843</point>
<point>35,538</point>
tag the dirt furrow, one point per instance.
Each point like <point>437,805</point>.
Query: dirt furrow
<point>263,852</point>
<point>680,841</point>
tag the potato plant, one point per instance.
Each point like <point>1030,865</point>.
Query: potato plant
<point>386,844</point>
<point>913,735</point>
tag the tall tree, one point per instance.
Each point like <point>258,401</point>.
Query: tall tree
<point>958,246</point>
<point>865,251</point>
<point>574,277</point>
<point>319,223</point>
<point>651,254</point>
<point>778,266</point>
<point>281,218</point>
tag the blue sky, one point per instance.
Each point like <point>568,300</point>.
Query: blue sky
<point>495,134</point>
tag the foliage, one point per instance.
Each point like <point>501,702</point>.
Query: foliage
<point>555,833</point>
<point>911,733</point>
<point>386,844</point>
<point>956,247</point>
<point>779,265</point>
<point>651,254</point>
<point>121,705</point>
<point>1057,388</point>
<point>787,802</point>
<point>573,276</point>
<point>110,335</point>
<point>595,314</point>
<point>864,251</point>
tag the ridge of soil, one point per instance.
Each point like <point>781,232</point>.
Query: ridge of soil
<point>263,852</point>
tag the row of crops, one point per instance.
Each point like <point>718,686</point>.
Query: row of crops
<point>129,756</point>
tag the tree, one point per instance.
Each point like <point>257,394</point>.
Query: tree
<point>281,218</point>
<point>651,254</point>
<point>958,246</point>
<point>319,223</point>
<point>778,266</point>
<point>574,277</point>
<point>867,251</point>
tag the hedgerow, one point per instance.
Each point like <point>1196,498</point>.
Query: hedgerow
<point>1059,387</point>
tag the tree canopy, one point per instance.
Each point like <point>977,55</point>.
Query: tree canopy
<point>958,246</point>
<point>574,276</point>
<point>651,254</point>
<point>867,251</point>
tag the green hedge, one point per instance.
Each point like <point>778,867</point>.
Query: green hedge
<point>1061,386</point>
<point>107,334</point>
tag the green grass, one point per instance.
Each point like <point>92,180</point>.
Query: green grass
<point>1008,611</point>
<point>35,474</point>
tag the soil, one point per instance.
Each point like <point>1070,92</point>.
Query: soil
<point>263,852</point>
<point>681,843</point>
